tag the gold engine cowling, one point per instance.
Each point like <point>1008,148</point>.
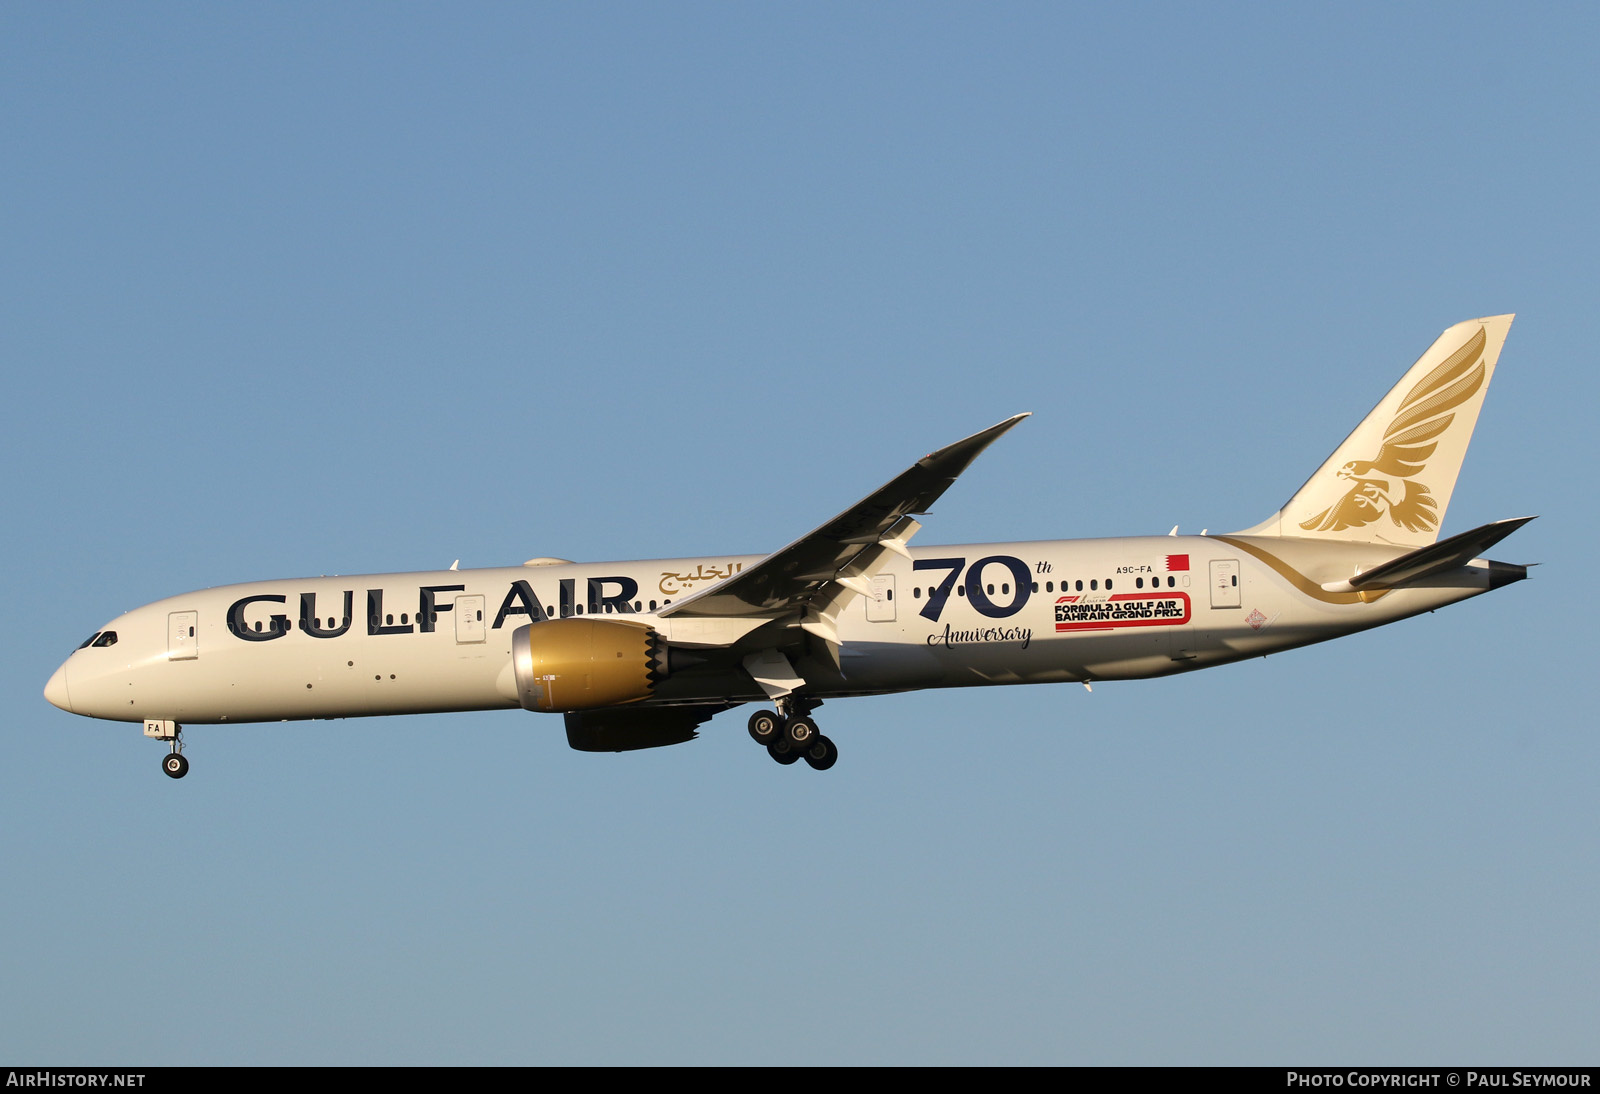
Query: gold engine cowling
<point>585,664</point>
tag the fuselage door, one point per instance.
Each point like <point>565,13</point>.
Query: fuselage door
<point>880,606</point>
<point>469,619</point>
<point>183,641</point>
<point>1225,591</point>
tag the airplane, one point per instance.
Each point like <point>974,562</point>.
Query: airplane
<point>640,654</point>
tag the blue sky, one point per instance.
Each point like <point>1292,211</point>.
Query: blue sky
<point>298,289</point>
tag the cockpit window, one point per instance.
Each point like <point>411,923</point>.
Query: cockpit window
<point>107,638</point>
<point>87,642</point>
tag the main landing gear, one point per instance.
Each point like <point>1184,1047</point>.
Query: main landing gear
<point>792,735</point>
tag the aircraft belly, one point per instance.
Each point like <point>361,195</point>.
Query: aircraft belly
<point>890,664</point>
<point>1125,655</point>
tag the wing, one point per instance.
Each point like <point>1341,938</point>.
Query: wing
<point>809,573</point>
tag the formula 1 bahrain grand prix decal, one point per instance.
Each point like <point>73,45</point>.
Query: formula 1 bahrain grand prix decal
<point>1091,613</point>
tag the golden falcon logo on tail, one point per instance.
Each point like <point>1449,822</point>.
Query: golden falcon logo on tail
<point>1384,483</point>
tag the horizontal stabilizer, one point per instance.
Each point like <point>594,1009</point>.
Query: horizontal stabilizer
<point>1435,558</point>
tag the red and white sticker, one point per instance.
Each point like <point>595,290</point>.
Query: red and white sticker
<point>1158,609</point>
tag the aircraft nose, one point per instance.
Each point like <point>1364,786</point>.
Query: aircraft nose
<point>56,690</point>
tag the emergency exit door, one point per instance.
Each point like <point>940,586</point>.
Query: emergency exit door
<point>183,641</point>
<point>1225,591</point>
<point>880,605</point>
<point>470,627</point>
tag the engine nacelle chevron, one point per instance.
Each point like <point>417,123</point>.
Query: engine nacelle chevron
<point>585,664</point>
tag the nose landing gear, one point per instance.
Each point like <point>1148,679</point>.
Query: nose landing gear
<point>174,763</point>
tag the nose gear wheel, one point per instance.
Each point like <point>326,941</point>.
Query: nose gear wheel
<point>174,763</point>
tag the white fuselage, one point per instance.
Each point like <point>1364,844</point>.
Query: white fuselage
<point>995,613</point>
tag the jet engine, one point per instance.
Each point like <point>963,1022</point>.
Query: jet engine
<point>585,664</point>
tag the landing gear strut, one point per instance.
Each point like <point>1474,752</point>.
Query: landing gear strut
<point>174,763</point>
<point>789,734</point>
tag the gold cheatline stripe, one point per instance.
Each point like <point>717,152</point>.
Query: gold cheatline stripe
<point>1299,580</point>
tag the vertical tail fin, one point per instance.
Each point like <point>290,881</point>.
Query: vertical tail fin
<point>1391,479</point>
